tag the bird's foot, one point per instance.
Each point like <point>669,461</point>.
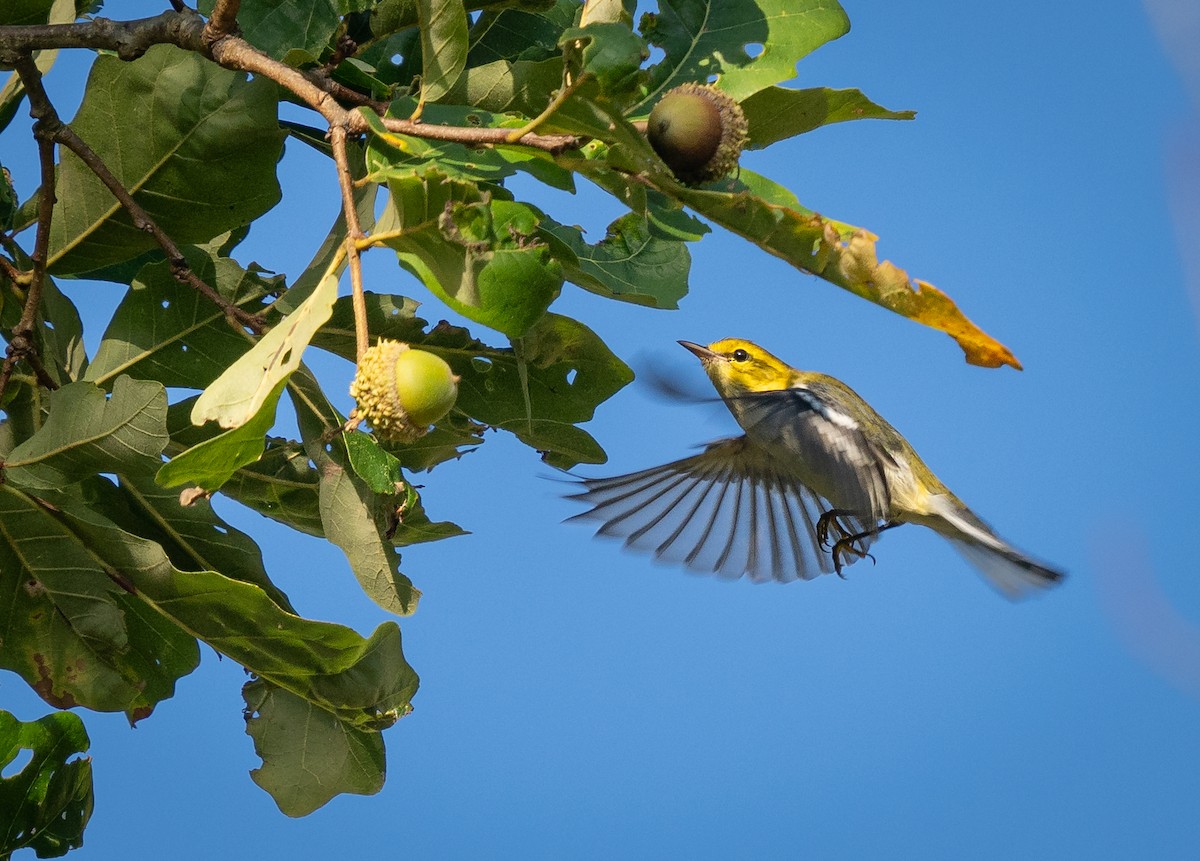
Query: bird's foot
<point>853,549</point>
<point>830,522</point>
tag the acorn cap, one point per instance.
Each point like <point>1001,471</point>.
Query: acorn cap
<point>698,131</point>
<point>381,393</point>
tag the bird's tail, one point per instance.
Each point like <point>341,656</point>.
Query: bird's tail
<point>1005,567</point>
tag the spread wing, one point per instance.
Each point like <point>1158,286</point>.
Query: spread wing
<point>826,445</point>
<point>732,509</point>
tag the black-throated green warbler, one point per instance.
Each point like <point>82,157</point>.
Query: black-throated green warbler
<point>816,477</point>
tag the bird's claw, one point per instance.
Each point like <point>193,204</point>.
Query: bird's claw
<point>847,546</point>
<point>830,521</point>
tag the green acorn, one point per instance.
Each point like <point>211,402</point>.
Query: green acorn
<point>401,391</point>
<point>698,131</point>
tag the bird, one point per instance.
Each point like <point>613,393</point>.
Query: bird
<point>812,482</point>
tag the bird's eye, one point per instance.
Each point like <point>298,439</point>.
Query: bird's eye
<point>741,356</point>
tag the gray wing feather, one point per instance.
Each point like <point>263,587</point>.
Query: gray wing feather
<point>730,510</point>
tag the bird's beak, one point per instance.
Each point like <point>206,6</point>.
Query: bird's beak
<point>704,354</point>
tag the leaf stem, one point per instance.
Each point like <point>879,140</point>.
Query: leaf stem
<point>564,93</point>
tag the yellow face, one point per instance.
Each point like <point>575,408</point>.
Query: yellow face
<point>735,365</point>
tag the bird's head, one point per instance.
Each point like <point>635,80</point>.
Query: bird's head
<point>736,366</point>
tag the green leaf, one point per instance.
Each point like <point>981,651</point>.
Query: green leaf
<point>610,52</point>
<point>166,331</point>
<point>391,154</point>
<point>73,634</point>
<point>87,432</point>
<point>353,517</point>
<point>308,755</point>
<point>61,335</point>
<point>775,113</point>
<point>413,525</point>
<point>282,485</point>
<point>25,12</point>
<point>47,804</point>
<point>483,257</point>
<point>522,87</point>
<point>520,34</point>
<point>631,263</point>
<point>364,682</point>
<point>236,396</point>
<point>443,46</point>
<point>202,167</point>
<point>374,465</point>
<point>707,40</point>
<point>297,31</point>
<point>211,463</point>
<point>192,535</point>
<point>553,379</point>
<point>381,471</point>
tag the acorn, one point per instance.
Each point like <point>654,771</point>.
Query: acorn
<point>401,391</point>
<point>698,131</point>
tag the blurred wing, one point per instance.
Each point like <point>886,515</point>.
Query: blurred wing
<point>732,510</point>
<point>832,455</point>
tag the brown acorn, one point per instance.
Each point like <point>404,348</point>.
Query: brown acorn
<point>698,131</point>
<point>401,391</point>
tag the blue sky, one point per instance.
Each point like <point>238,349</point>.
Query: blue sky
<point>579,701</point>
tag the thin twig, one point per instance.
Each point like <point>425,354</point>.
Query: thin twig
<point>11,272</point>
<point>54,129</point>
<point>22,344</point>
<point>354,234</point>
<point>341,92</point>
<point>39,370</point>
<point>186,29</point>
<point>472,135</point>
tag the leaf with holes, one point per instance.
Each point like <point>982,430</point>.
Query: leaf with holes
<point>743,45</point>
<point>239,393</point>
<point>47,802</point>
<point>391,154</point>
<point>610,52</point>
